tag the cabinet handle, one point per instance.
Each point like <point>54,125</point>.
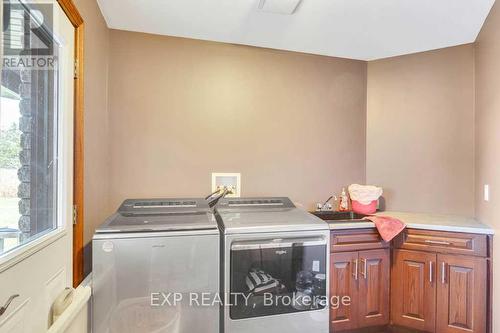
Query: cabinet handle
<point>430,241</point>
<point>364,268</point>
<point>443,272</point>
<point>431,273</point>
<point>355,269</point>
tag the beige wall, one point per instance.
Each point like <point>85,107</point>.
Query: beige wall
<point>420,130</point>
<point>292,124</point>
<point>488,136</point>
<point>96,116</point>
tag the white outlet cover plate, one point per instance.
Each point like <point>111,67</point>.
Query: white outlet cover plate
<point>227,179</point>
<point>486,192</point>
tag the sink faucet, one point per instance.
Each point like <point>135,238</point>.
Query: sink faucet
<point>326,206</point>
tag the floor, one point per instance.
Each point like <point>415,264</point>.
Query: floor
<point>383,330</point>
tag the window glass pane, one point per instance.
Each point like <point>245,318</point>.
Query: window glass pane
<point>28,124</point>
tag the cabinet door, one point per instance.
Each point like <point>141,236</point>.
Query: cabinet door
<point>461,294</point>
<point>373,301</point>
<point>413,296</point>
<point>344,275</point>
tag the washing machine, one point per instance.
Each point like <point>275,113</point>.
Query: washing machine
<point>275,267</point>
<point>151,259</point>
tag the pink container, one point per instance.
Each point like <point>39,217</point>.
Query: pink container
<point>359,208</point>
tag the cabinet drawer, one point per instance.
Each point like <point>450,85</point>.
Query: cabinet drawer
<point>355,240</point>
<point>442,242</point>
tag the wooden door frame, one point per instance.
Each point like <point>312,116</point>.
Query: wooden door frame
<point>76,20</point>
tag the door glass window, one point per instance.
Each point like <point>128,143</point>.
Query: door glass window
<point>277,276</point>
<point>28,124</point>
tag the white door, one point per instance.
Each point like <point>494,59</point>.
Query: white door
<point>36,161</point>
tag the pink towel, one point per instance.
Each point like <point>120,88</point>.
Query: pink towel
<point>388,227</point>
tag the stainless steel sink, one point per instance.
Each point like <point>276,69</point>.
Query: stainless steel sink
<point>339,217</point>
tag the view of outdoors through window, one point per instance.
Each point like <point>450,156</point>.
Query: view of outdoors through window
<point>28,124</point>
<point>10,147</point>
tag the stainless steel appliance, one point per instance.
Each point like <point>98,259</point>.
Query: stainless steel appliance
<point>276,267</point>
<point>149,253</point>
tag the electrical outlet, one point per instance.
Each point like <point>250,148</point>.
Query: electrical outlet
<point>486,192</point>
<point>231,181</point>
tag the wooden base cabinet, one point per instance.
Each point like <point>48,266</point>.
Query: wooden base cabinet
<point>434,292</point>
<point>438,282</point>
<point>373,298</point>
<point>344,282</point>
<point>364,277</point>
<point>461,294</point>
<point>413,290</point>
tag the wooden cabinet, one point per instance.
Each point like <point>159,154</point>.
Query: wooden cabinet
<point>364,277</point>
<point>461,294</point>
<point>344,282</point>
<point>437,292</point>
<point>413,286</point>
<point>356,240</point>
<point>443,242</point>
<point>437,282</point>
<point>373,293</point>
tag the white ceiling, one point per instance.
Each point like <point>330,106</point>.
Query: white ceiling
<point>356,29</point>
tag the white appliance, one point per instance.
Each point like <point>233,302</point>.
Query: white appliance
<point>276,258</point>
<point>150,250</point>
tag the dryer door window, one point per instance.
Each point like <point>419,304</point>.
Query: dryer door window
<point>277,276</point>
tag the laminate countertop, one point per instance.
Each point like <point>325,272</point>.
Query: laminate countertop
<point>438,222</point>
